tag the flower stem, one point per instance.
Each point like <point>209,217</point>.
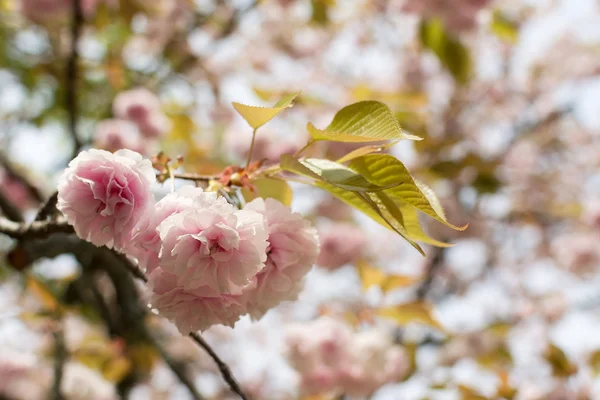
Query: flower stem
<point>251,148</point>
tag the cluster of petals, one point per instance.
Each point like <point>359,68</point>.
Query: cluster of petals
<point>207,262</point>
<point>330,358</point>
<point>105,196</point>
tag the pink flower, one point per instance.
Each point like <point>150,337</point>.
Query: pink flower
<point>341,243</point>
<point>330,358</point>
<point>116,134</point>
<point>145,244</point>
<point>212,244</point>
<point>192,309</point>
<point>143,108</point>
<point>293,249</point>
<point>373,362</point>
<point>105,195</point>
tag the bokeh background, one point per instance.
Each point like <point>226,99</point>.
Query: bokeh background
<point>506,95</point>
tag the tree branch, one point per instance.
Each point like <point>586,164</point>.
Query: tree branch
<point>223,368</point>
<point>35,230</point>
<point>17,175</point>
<point>60,356</point>
<point>72,76</point>
<point>9,209</point>
<point>48,208</point>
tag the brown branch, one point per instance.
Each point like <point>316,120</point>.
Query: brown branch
<point>223,368</point>
<point>72,76</point>
<point>18,175</point>
<point>432,269</point>
<point>178,367</point>
<point>48,209</point>
<point>60,356</point>
<point>195,177</point>
<point>9,209</point>
<point>35,230</point>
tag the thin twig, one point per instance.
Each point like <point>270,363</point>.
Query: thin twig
<point>251,148</point>
<point>223,368</point>
<point>306,146</point>
<point>134,269</point>
<point>60,356</point>
<point>178,368</point>
<point>9,209</point>
<point>72,76</point>
<point>195,177</point>
<point>432,269</point>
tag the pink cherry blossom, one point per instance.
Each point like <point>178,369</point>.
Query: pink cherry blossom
<point>105,195</point>
<point>293,249</point>
<point>146,243</point>
<point>192,309</point>
<point>330,358</point>
<point>212,244</point>
<point>116,134</point>
<point>143,108</point>
<point>341,243</point>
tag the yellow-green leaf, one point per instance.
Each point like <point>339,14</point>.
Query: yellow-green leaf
<point>363,151</point>
<point>503,27</point>
<point>43,293</point>
<point>257,116</point>
<point>365,121</point>
<point>267,187</point>
<point>372,276</point>
<point>328,171</point>
<point>413,226</point>
<point>449,50</point>
<point>561,366</point>
<point>411,312</point>
<point>386,170</point>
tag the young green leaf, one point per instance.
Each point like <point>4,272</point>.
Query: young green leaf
<point>277,189</point>
<point>363,151</point>
<point>257,116</point>
<point>449,50</point>
<point>385,170</point>
<point>503,27</point>
<point>328,171</point>
<point>365,121</point>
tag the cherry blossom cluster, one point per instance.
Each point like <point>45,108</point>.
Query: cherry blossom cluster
<point>207,261</point>
<point>330,358</point>
<point>458,15</point>
<point>138,122</point>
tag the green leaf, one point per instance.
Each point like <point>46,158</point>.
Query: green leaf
<point>449,50</point>
<point>386,170</point>
<point>365,121</point>
<point>370,207</point>
<point>411,312</point>
<point>258,116</point>
<point>363,151</point>
<point>328,171</point>
<point>268,187</point>
<point>504,28</point>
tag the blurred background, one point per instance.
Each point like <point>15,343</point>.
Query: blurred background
<point>506,95</point>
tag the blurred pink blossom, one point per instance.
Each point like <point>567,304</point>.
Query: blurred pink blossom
<point>292,251</point>
<point>459,15</point>
<point>15,191</point>
<point>105,195</point>
<point>143,108</point>
<point>341,243</point>
<point>330,358</point>
<point>116,134</point>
